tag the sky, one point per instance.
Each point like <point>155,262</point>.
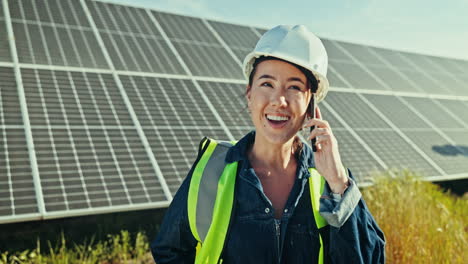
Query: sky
<point>433,27</point>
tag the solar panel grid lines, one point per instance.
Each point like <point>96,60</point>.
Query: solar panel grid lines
<point>189,41</point>
<point>440,68</point>
<point>149,114</point>
<point>401,76</point>
<point>401,134</point>
<point>236,37</point>
<point>123,136</point>
<point>36,189</point>
<point>223,43</point>
<point>354,110</point>
<point>92,147</point>
<point>353,133</point>
<point>334,78</point>
<point>433,126</point>
<point>51,146</point>
<point>381,83</point>
<point>456,107</point>
<point>235,106</point>
<point>143,138</point>
<point>5,54</point>
<point>138,43</point>
<point>241,40</point>
<point>449,156</point>
<point>358,77</point>
<point>200,91</point>
<point>185,28</point>
<point>119,45</point>
<point>72,143</point>
<point>450,80</point>
<point>439,86</point>
<point>362,54</point>
<point>168,42</point>
<point>430,110</point>
<point>149,100</point>
<point>152,53</point>
<point>398,112</point>
<point>450,113</point>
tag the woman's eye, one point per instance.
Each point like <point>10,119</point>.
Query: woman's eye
<point>267,84</point>
<point>294,87</point>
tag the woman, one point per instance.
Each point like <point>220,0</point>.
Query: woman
<point>270,198</point>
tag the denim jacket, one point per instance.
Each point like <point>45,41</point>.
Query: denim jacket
<point>255,236</point>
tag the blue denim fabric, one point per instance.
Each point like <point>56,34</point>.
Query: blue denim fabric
<point>255,236</point>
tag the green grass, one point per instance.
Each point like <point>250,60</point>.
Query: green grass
<point>422,224</point>
<point>121,248</point>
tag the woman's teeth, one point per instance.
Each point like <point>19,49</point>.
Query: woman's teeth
<point>277,118</point>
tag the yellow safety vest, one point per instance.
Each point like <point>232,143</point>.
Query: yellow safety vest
<point>211,198</point>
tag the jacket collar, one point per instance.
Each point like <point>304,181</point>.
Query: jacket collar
<point>238,152</point>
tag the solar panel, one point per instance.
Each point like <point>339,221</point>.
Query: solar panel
<point>433,112</point>
<point>17,195</point>
<point>334,53</point>
<point>448,65</point>
<point>421,61</point>
<point>117,98</point>
<point>57,46</point>
<point>392,57</point>
<point>230,101</point>
<point>355,111</point>
<point>88,151</point>
<point>240,39</point>
<point>198,47</point>
<point>396,152</point>
<point>458,108</point>
<point>357,76</point>
<point>396,81</point>
<point>362,54</point>
<point>355,157</point>
<point>450,158</point>
<point>333,77</point>
<point>4,45</point>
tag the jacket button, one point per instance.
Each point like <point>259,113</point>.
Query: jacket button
<point>286,210</point>
<point>267,210</point>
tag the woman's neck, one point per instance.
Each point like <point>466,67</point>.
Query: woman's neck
<point>275,157</point>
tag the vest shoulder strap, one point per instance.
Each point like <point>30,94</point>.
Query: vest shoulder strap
<point>210,199</point>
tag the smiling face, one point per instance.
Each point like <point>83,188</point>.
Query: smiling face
<point>278,98</point>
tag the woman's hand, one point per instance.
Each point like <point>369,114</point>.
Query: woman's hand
<point>327,158</point>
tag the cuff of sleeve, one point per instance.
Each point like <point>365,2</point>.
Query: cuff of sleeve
<point>336,210</point>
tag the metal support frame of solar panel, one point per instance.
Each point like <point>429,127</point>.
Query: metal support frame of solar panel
<point>117,35</point>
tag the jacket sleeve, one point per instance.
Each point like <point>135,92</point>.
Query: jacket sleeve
<point>175,243</point>
<point>359,239</point>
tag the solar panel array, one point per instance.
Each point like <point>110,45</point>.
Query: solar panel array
<point>102,106</point>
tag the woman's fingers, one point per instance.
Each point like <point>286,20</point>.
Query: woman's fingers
<point>316,132</point>
<point>318,114</point>
<point>316,123</point>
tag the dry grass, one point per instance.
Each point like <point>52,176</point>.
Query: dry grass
<point>421,223</point>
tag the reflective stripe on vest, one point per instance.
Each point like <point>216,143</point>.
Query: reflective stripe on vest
<point>211,199</point>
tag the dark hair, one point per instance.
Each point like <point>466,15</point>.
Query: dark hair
<point>312,81</point>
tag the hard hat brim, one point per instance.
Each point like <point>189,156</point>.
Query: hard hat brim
<point>323,84</point>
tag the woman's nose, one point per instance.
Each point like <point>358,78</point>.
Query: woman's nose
<point>278,99</point>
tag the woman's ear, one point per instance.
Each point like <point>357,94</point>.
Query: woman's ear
<point>247,94</point>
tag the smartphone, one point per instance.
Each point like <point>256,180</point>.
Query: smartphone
<point>312,115</point>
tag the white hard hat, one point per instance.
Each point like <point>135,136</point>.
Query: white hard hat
<point>295,44</point>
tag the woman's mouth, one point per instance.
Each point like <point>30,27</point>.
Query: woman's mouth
<point>277,121</point>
